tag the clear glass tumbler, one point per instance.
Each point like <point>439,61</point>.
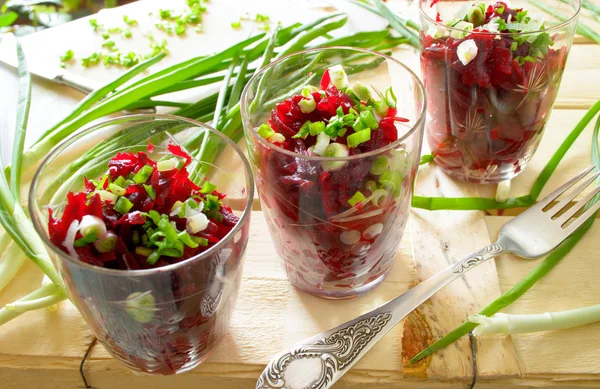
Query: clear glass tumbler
<point>164,320</point>
<point>486,117</point>
<point>329,248</point>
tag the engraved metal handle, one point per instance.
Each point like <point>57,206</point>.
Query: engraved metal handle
<point>318,362</point>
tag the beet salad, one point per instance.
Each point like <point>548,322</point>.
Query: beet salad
<point>330,218</point>
<point>142,214</point>
<point>491,74</point>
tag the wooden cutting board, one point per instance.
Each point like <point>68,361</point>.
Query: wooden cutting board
<point>43,349</point>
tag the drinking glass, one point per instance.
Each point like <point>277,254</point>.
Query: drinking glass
<point>163,320</point>
<point>327,248</point>
<point>485,119</point>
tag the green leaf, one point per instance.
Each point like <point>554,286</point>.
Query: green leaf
<point>6,19</point>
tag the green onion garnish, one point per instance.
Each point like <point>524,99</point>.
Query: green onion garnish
<point>380,165</point>
<point>187,239</point>
<point>144,251</point>
<point>121,181</point>
<point>358,137</point>
<point>316,128</point>
<point>236,25</point>
<point>116,189</point>
<point>357,198</point>
<point>201,241</point>
<point>150,192</point>
<point>143,174</point>
<point>123,205</point>
<point>130,22</point>
<point>369,120</point>
<point>91,238</point>
<point>361,91</point>
<point>265,131</point>
<point>153,258</point>
<point>208,187</point>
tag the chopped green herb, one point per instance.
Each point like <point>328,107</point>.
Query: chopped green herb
<point>143,174</point>
<point>165,13</point>
<point>129,22</point>
<point>93,59</point>
<point>380,165</point>
<point>236,25</point>
<point>105,35</point>
<point>262,18</point>
<point>67,56</point>
<point>123,205</point>
<point>115,30</point>
<point>513,46</point>
<point>126,33</point>
<point>150,192</point>
<point>208,187</point>
<point>316,128</point>
<point>357,138</point>
<point>201,241</point>
<point>95,25</point>
<point>265,131</point>
<point>356,198</point>
<point>90,238</point>
<point>180,29</point>
<point>212,202</point>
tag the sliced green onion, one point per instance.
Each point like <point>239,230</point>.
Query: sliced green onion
<point>390,97</point>
<point>208,187</point>
<point>123,205</point>
<point>356,198</point>
<point>307,105</point>
<point>303,131</point>
<point>265,131</point>
<point>92,225</point>
<point>335,150</point>
<point>141,306</point>
<point>165,226</point>
<point>338,76</point>
<point>308,90</point>
<point>153,258</point>
<point>107,196</point>
<point>236,25</point>
<point>187,239</point>
<point>121,181</point>
<point>107,243</point>
<point>143,174</point>
<point>322,142</point>
<point>197,223</point>
<point>369,119</point>
<point>116,189</point>
<point>371,186</point>
<point>361,91</point>
<point>359,125</point>
<point>380,165</point>
<point>392,181</point>
<point>466,27</point>
<point>475,16</point>
<point>145,251</point>
<point>277,138</point>
<point>358,137</point>
<point>316,128</point>
<point>167,165</point>
<point>201,241</point>
<point>154,216</point>
<point>150,192</point>
<point>90,238</point>
<point>135,237</point>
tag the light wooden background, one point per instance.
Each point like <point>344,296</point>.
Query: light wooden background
<point>44,349</point>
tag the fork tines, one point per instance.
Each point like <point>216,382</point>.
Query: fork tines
<point>563,205</point>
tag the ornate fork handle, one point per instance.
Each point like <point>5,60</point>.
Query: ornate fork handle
<point>318,362</point>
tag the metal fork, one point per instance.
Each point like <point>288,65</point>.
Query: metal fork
<point>318,362</point>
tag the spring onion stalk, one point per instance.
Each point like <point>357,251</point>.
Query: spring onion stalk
<point>23,104</point>
<point>13,260</point>
<point>12,215</point>
<point>501,323</point>
<point>43,292</point>
<point>549,262</point>
<point>405,27</point>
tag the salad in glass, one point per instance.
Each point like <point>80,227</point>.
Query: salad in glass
<point>334,171</point>
<point>492,73</point>
<point>148,239</point>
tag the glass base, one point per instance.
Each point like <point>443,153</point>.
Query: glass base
<point>340,294</point>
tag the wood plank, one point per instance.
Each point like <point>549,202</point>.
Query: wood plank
<point>437,243</point>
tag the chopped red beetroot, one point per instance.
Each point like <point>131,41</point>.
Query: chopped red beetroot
<point>137,196</point>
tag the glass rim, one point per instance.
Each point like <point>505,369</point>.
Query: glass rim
<point>415,127</point>
<point>58,149</point>
<point>550,29</point>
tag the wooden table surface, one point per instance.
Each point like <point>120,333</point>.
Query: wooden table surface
<point>44,349</point>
